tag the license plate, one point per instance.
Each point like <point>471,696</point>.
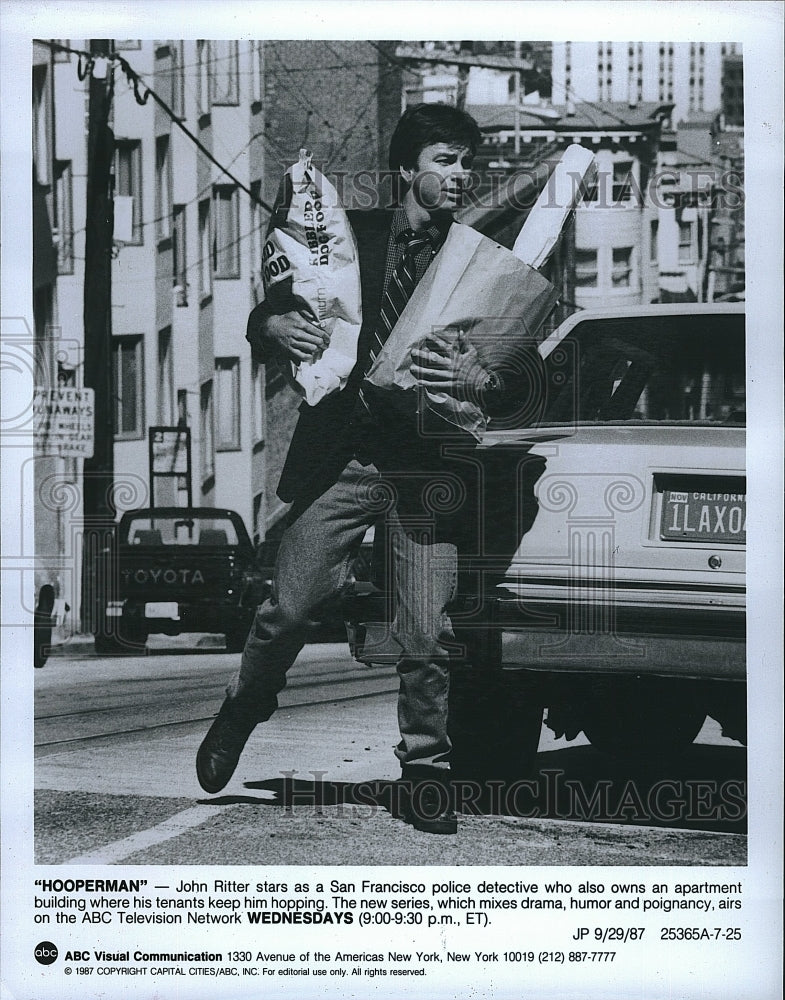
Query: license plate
<point>704,517</point>
<point>162,609</point>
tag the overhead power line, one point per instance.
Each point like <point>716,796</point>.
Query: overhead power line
<point>138,81</point>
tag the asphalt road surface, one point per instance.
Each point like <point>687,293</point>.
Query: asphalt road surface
<point>116,738</point>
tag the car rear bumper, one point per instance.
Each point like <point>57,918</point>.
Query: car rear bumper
<point>204,615</point>
<point>549,652</point>
<point>703,637</point>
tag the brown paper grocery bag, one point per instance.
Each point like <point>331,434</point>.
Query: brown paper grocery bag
<point>475,289</point>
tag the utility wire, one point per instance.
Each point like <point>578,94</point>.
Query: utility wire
<point>147,223</point>
<point>134,76</point>
<point>136,79</point>
<point>407,64</point>
<point>130,85</point>
<point>214,60</point>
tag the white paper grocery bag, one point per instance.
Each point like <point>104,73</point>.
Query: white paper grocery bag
<point>311,264</point>
<point>474,289</point>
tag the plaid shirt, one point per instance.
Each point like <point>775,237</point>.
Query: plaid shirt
<point>400,224</point>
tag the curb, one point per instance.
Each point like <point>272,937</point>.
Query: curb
<point>73,644</point>
<point>78,644</point>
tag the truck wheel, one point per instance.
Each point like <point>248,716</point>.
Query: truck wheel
<point>105,642</point>
<point>133,634</point>
<point>42,625</point>
<point>643,725</point>
<point>120,637</point>
<point>236,637</point>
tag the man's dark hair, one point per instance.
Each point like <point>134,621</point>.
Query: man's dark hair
<point>426,124</point>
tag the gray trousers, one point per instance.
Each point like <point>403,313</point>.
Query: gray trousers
<point>314,562</point>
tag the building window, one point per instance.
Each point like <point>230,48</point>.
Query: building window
<point>179,256</point>
<point>257,402</point>
<point>182,408</point>
<point>227,404</point>
<point>177,79</point>
<point>60,56</point>
<point>622,180</point>
<point>203,76</point>
<point>163,188</point>
<point>65,217</point>
<point>206,418</point>
<point>165,377</point>
<point>169,73</point>
<point>128,181</point>
<point>224,72</point>
<point>257,72</point>
<point>622,267</point>
<point>127,386</point>
<point>226,224</point>
<point>653,236</point>
<point>586,268</point>
<point>42,152</point>
<point>590,192</point>
<point>685,243</point>
<point>205,268</point>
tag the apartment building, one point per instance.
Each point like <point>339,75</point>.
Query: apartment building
<point>615,236</point>
<point>688,75</point>
<point>190,212</point>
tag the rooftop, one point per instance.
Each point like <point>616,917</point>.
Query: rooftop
<point>602,117</point>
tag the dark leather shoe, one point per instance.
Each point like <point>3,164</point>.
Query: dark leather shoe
<point>220,751</point>
<point>428,800</point>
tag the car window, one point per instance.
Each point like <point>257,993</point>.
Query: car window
<point>205,532</point>
<point>665,371</point>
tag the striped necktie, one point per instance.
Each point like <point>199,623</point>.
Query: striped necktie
<point>398,292</point>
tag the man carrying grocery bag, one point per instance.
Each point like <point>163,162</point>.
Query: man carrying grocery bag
<point>360,453</point>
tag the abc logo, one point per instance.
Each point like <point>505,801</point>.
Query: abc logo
<point>45,953</point>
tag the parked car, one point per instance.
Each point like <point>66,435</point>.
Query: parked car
<point>180,569</point>
<point>608,580</point>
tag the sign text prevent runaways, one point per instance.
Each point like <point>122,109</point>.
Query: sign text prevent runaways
<point>64,421</point>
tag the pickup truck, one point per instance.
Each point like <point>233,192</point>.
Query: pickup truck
<point>179,569</point>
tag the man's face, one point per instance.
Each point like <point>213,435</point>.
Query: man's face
<point>438,179</point>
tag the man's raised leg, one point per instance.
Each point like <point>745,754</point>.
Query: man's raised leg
<point>314,561</point>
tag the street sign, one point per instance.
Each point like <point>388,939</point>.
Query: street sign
<point>64,421</point>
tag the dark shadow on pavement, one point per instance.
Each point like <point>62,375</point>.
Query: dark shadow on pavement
<point>705,790</point>
<point>364,795</point>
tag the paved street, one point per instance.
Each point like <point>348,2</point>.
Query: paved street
<point>115,741</point>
